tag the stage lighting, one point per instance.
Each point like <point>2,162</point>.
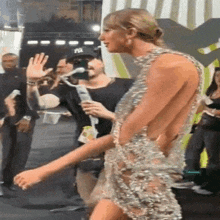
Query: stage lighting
<point>45,42</point>
<point>73,42</point>
<point>32,42</point>
<point>60,42</point>
<point>7,26</point>
<point>20,26</point>
<point>88,42</point>
<point>96,28</point>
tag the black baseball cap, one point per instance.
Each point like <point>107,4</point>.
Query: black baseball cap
<point>83,53</point>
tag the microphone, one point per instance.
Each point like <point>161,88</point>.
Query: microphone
<point>14,93</point>
<point>82,92</point>
<point>77,70</point>
<point>65,78</point>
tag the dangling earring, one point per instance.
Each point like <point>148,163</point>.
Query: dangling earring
<point>128,43</point>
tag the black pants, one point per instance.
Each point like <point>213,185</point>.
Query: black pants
<point>15,150</point>
<point>202,138</point>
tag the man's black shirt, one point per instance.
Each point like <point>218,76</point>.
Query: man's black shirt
<point>108,96</point>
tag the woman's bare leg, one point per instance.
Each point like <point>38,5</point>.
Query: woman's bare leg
<point>107,210</point>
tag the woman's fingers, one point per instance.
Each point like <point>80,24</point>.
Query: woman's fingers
<point>23,183</point>
<point>16,179</point>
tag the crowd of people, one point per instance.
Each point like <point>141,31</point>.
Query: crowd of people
<point>128,155</point>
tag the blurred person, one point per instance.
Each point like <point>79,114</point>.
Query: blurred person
<point>45,84</point>
<point>143,156</point>
<point>105,92</point>
<point>206,136</point>
<point>62,68</point>
<point>17,125</point>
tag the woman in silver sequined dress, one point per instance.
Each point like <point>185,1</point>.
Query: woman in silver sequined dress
<point>143,154</point>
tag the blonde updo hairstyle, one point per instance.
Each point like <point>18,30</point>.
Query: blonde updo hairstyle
<point>145,24</point>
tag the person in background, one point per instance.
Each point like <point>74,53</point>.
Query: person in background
<point>105,92</point>
<point>45,84</point>
<point>143,156</point>
<point>17,127</point>
<point>206,136</point>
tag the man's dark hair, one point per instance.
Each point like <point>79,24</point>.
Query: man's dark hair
<point>213,86</point>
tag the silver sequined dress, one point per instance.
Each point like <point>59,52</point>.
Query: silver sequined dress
<point>138,175</point>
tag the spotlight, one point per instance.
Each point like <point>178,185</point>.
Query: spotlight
<point>73,42</point>
<point>45,42</point>
<point>88,42</point>
<point>20,26</point>
<point>7,26</point>
<point>60,42</point>
<point>96,28</point>
<point>32,42</point>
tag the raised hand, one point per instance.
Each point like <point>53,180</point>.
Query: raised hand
<point>35,69</point>
<point>28,178</point>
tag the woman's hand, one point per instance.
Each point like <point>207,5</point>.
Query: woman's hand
<point>96,109</point>
<point>28,178</point>
<point>35,69</point>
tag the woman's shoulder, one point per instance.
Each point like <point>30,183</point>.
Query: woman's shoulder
<point>174,59</point>
<point>175,63</point>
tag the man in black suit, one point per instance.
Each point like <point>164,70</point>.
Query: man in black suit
<point>16,127</point>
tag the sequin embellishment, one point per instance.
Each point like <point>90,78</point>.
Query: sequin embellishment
<point>138,175</point>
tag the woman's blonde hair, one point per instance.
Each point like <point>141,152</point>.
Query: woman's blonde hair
<point>140,19</point>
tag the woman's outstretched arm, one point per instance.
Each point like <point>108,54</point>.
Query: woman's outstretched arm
<point>29,178</point>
